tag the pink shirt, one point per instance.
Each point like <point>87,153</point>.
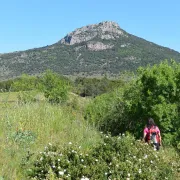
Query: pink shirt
<point>146,130</point>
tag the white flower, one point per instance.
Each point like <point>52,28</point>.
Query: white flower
<point>107,136</point>
<point>41,158</point>
<point>70,143</point>
<point>140,160</point>
<point>84,178</point>
<point>151,162</point>
<point>128,179</point>
<point>145,156</point>
<point>50,144</point>
<point>105,173</point>
<point>129,174</point>
<point>53,166</point>
<point>82,160</point>
<point>58,159</point>
<point>96,160</point>
<point>61,173</point>
<point>134,157</point>
<point>140,171</point>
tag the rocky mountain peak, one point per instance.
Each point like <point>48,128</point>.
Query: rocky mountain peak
<point>102,30</point>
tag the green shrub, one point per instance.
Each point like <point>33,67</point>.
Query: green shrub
<point>120,157</point>
<point>54,87</point>
<point>154,93</point>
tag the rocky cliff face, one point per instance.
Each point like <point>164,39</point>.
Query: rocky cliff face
<point>105,30</point>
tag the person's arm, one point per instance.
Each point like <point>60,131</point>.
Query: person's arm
<point>144,135</point>
<point>160,143</point>
<point>159,134</point>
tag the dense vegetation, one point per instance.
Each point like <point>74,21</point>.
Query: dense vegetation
<point>129,52</point>
<point>50,132</point>
<point>153,93</point>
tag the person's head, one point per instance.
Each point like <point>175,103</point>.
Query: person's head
<point>150,122</point>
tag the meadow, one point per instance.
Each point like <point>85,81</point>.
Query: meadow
<point>30,127</point>
<point>49,131</point>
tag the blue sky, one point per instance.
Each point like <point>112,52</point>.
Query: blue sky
<point>36,23</point>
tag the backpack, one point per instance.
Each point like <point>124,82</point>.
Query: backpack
<point>152,135</point>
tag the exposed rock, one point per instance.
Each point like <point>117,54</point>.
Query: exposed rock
<point>97,46</point>
<point>103,30</point>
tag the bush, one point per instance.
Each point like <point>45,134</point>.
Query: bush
<point>120,157</point>
<point>54,87</point>
<point>154,93</point>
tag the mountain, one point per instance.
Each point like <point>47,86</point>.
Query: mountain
<point>93,50</point>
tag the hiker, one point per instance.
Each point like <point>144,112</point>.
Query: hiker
<point>152,134</point>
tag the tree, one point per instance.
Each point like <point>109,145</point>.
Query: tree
<point>55,87</point>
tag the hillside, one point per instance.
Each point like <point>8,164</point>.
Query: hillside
<point>92,50</point>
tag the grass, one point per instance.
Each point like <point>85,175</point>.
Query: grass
<point>30,127</point>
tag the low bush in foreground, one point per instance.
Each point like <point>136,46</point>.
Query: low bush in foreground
<point>120,157</point>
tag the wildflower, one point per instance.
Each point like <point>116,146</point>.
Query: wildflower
<point>61,173</point>
<point>140,171</point>
<point>53,166</point>
<point>58,159</point>
<point>128,179</point>
<point>50,144</point>
<point>107,136</point>
<point>79,147</point>
<point>41,158</point>
<point>82,160</point>
<point>151,162</point>
<point>129,174</point>
<point>96,160</point>
<point>134,157</point>
<point>70,143</point>
<point>105,173</point>
<point>145,156</point>
<point>140,160</point>
<point>84,178</point>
